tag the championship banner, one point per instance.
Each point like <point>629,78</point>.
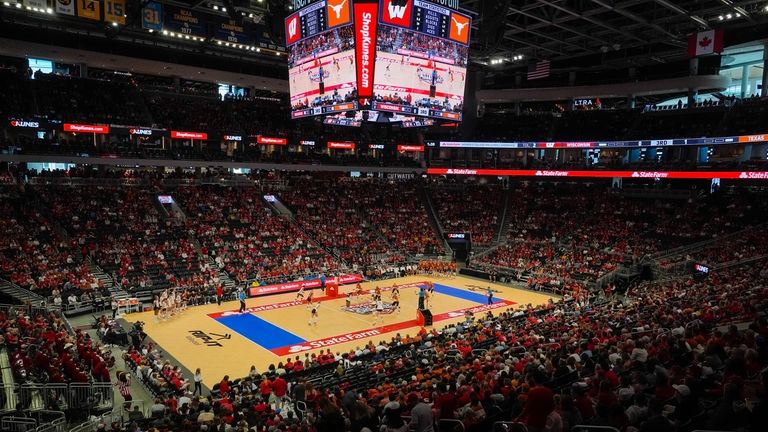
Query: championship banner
<point>89,9</point>
<point>114,11</point>
<point>152,16</point>
<point>184,21</point>
<point>228,30</point>
<point>366,23</point>
<point>65,7</point>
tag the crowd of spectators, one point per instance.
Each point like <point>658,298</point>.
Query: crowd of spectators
<point>664,357</point>
<point>246,238</point>
<point>34,255</point>
<point>331,211</point>
<point>126,235</point>
<point>42,349</point>
<point>571,232</point>
<point>469,208</point>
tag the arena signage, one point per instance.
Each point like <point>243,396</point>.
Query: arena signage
<point>138,131</point>
<point>25,124</point>
<point>189,135</point>
<point>271,141</point>
<point>703,175</point>
<point>366,19</point>
<point>233,137</point>
<point>410,148</point>
<point>341,145</point>
<point>96,129</point>
<point>257,291</point>
<point>307,143</point>
<point>701,268</point>
<point>376,146</point>
<point>456,236</point>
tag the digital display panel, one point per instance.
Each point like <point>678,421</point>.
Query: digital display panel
<point>321,59</point>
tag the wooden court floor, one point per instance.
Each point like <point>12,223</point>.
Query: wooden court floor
<point>220,341</point>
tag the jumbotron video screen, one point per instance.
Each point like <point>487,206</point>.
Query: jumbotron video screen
<point>321,59</point>
<point>415,50</point>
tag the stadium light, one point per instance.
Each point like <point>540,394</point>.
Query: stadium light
<point>49,10</point>
<point>258,49</point>
<point>8,4</point>
<point>18,5</point>
<point>114,24</point>
<point>215,7</point>
<point>218,42</point>
<point>729,16</point>
<point>721,17</point>
<point>223,9</point>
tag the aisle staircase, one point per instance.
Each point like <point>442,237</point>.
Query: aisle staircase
<point>19,294</point>
<point>433,219</point>
<point>8,396</point>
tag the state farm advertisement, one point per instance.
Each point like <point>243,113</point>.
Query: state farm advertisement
<point>297,285</point>
<point>366,19</point>
<point>189,135</point>
<point>271,141</point>
<point>96,129</point>
<point>704,175</point>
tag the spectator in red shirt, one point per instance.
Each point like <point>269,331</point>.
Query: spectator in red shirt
<point>539,404</point>
<point>224,385</point>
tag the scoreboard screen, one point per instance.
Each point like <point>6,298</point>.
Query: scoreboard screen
<point>407,57</point>
<point>321,59</point>
<point>421,59</point>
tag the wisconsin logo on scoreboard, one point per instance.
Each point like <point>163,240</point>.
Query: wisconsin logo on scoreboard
<point>338,12</point>
<point>292,30</point>
<point>396,12</point>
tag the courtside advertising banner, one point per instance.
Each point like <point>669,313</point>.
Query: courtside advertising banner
<point>366,19</point>
<point>256,291</point>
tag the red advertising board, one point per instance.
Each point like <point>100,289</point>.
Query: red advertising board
<point>295,286</point>
<point>366,20</point>
<point>736,175</point>
<point>410,148</point>
<point>271,141</point>
<point>96,129</point>
<point>341,145</point>
<point>189,135</point>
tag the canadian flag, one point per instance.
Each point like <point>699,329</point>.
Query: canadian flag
<point>706,42</point>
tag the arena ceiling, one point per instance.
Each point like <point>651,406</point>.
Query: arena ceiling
<point>611,33</point>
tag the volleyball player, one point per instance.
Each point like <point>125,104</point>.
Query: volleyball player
<point>379,309</point>
<point>396,300</point>
<point>300,294</point>
<point>313,315</point>
<point>310,299</point>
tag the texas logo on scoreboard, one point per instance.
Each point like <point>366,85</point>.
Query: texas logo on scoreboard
<point>338,12</point>
<point>459,28</point>
<point>397,12</point>
<point>292,29</point>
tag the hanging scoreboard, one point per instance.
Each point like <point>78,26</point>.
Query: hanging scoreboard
<point>421,63</point>
<point>321,59</point>
<point>402,56</point>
